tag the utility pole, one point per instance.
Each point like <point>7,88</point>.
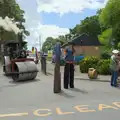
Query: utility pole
<point>40,41</point>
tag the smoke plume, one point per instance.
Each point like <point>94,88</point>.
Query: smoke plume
<point>8,25</point>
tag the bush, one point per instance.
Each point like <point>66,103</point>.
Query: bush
<point>88,62</point>
<point>105,55</point>
<point>101,65</point>
<point>104,67</point>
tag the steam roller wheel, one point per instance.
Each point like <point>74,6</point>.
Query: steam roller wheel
<point>25,71</point>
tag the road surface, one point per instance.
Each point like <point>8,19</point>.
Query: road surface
<point>35,100</point>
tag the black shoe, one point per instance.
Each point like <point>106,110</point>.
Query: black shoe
<point>112,85</point>
<point>65,87</point>
<point>116,86</point>
<point>71,86</point>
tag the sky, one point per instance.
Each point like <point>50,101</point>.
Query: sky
<point>51,18</point>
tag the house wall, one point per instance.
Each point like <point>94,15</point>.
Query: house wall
<point>87,50</point>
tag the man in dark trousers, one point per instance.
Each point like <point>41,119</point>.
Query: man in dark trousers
<point>69,67</point>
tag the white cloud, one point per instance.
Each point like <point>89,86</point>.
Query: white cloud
<point>18,0</point>
<point>52,30</point>
<point>44,31</point>
<point>66,6</point>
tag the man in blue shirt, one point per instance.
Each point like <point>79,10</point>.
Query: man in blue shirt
<point>69,67</point>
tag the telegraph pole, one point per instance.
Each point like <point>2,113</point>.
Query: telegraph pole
<point>40,41</point>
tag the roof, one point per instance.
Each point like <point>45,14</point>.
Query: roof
<point>84,40</point>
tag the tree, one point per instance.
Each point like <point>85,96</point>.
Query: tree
<point>11,9</point>
<point>90,26</point>
<point>110,18</point>
<point>50,42</point>
<point>105,39</point>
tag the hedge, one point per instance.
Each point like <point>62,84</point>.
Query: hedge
<point>101,65</point>
<point>88,62</point>
<point>104,67</point>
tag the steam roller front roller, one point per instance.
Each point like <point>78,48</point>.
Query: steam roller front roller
<point>24,71</point>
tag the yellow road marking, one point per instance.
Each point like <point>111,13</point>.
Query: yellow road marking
<point>59,112</point>
<point>13,115</point>
<point>103,106</point>
<point>36,112</point>
<point>83,108</point>
<point>116,104</point>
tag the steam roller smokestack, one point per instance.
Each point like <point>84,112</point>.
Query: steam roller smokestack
<point>20,40</point>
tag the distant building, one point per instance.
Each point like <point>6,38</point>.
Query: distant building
<point>85,45</point>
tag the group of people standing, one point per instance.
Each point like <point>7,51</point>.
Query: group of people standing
<point>69,67</point>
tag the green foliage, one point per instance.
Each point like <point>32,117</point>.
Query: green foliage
<point>90,26</point>
<point>50,43</point>
<point>110,14</point>
<point>110,18</point>
<point>49,58</point>
<point>11,9</point>
<point>105,25</point>
<point>88,62</point>
<point>105,37</point>
<point>104,67</point>
<point>101,65</point>
<point>118,46</point>
<point>105,55</point>
<point>24,44</point>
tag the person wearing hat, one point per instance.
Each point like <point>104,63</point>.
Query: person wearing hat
<point>114,66</point>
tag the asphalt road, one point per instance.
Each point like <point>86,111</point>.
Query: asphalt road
<point>35,100</point>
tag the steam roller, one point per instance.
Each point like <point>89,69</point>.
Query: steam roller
<point>17,63</point>
<point>25,71</point>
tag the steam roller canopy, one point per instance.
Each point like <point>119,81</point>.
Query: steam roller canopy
<point>25,71</point>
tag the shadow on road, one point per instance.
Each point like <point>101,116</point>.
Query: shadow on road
<point>92,80</point>
<point>24,82</point>
<point>65,94</point>
<point>79,90</point>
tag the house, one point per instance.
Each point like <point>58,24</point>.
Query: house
<point>85,45</point>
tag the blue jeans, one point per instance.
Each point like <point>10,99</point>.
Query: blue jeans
<point>114,78</point>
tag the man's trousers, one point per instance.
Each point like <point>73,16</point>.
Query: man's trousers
<point>69,75</point>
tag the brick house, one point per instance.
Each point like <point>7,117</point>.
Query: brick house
<point>85,45</point>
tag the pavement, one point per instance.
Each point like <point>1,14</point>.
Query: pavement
<point>35,100</point>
